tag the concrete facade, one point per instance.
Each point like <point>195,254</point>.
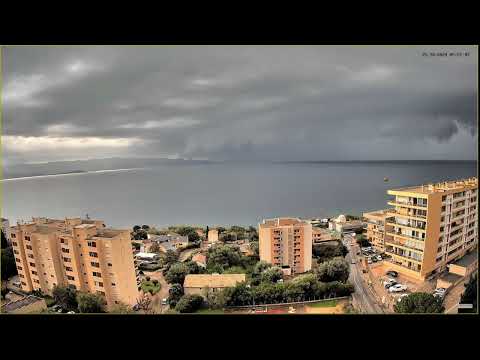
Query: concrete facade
<point>286,242</point>
<point>433,225</point>
<point>377,226</point>
<point>78,253</point>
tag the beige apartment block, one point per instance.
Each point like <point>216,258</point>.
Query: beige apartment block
<point>212,235</point>
<point>81,253</point>
<point>286,242</point>
<point>433,225</point>
<point>377,226</point>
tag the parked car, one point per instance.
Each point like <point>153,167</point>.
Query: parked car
<point>379,258</point>
<point>397,288</point>
<point>374,258</point>
<point>440,290</point>
<point>164,301</point>
<point>389,282</point>
<point>353,261</point>
<point>71,312</point>
<point>369,261</point>
<point>392,273</point>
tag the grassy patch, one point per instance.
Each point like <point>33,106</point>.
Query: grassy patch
<point>209,311</point>
<point>321,304</point>
<point>149,286</point>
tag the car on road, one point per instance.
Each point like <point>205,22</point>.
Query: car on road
<point>392,273</point>
<point>397,288</point>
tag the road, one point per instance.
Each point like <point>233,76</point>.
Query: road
<point>363,296</point>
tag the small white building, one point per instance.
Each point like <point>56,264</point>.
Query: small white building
<point>147,256</point>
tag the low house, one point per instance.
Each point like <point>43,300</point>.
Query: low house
<point>245,249</point>
<point>320,235</point>
<point>341,224</point>
<point>170,241</point>
<point>458,270</point>
<point>27,305</point>
<point>201,283</point>
<point>200,259</point>
<point>147,256</point>
<point>466,265</point>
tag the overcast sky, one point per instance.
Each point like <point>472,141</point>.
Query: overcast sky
<point>238,102</point>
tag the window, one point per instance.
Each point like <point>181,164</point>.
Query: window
<point>16,252</point>
<point>30,256</point>
<point>109,264</point>
<point>32,264</point>
<point>70,277</point>
<point>100,292</point>
<point>113,284</point>
<point>19,268</point>
<point>97,274</point>
<point>92,243</point>
<point>24,284</point>
<point>14,243</point>
<point>99,283</point>
<point>14,236</point>
<point>65,250</point>
<point>68,268</point>
<point>17,259</point>
<point>95,264</point>
<point>62,241</point>
<point>34,273</point>
<point>444,197</point>
<point>67,259</point>
<point>21,276</point>
<point>28,247</point>
<point>93,254</point>
<point>27,238</point>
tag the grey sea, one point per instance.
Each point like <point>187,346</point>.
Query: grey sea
<point>220,193</point>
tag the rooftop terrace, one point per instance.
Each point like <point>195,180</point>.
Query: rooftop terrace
<point>441,187</point>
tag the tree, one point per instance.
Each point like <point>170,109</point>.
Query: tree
<point>144,303</point>
<point>324,252</point>
<point>171,257</point>
<point>419,303</point>
<point>90,303</point>
<point>193,267</point>
<point>136,228</point>
<point>221,229</point>
<point>227,237</point>
<point>4,241</point>
<point>66,297</point>
<point>223,256</point>
<point>255,248</point>
<point>189,303</point>
<point>155,248</point>
<point>470,294</point>
<point>215,300</point>
<point>176,274</point>
<point>136,245</point>
<point>336,269</point>
<point>145,227</point>
<point>9,267</point>
<point>174,294</point>
<point>272,274</point>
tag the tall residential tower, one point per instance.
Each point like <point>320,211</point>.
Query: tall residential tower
<point>286,242</point>
<point>74,252</point>
<point>431,226</point>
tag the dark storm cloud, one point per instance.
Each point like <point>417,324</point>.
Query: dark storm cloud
<point>292,103</point>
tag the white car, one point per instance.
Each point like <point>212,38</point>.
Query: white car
<point>440,290</point>
<point>379,258</point>
<point>387,282</point>
<point>369,261</point>
<point>397,288</point>
<point>164,301</point>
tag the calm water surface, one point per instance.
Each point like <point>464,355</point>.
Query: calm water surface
<point>219,194</point>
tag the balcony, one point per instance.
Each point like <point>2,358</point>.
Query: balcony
<point>409,204</point>
<point>391,261</point>
<point>393,254</point>
<point>393,212</point>
<point>407,225</point>
<point>403,236</point>
<point>402,244</point>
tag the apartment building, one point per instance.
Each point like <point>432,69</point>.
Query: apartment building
<point>377,225</point>
<point>286,242</point>
<point>76,252</point>
<point>433,225</point>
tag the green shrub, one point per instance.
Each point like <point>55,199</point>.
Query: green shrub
<point>189,304</point>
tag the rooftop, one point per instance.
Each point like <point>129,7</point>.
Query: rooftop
<point>14,305</point>
<point>285,221</point>
<point>468,259</point>
<point>213,280</point>
<point>451,278</point>
<point>470,183</point>
<point>377,214</point>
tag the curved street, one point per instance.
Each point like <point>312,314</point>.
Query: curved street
<point>363,297</point>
